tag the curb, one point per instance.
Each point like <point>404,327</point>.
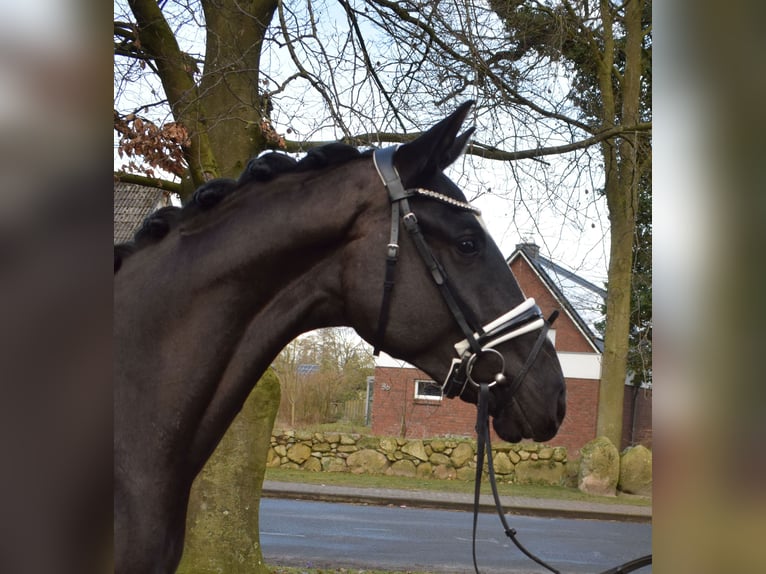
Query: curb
<point>457,501</point>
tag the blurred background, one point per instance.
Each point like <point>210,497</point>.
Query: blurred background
<point>709,210</point>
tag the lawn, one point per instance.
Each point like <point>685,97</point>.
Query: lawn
<point>432,484</point>
<point>308,570</point>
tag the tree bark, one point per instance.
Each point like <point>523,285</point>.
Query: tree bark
<point>160,44</point>
<point>229,86</point>
<point>622,200</point>
<point>222,522</point>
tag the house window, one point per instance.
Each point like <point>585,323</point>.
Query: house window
<point>428,390</point>
<point>552,336</point>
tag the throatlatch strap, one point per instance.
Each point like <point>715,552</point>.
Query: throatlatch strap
<point>392,256</point>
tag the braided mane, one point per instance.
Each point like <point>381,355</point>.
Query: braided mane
<point>261,169</point>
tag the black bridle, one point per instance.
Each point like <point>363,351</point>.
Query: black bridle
<point>479,340</point>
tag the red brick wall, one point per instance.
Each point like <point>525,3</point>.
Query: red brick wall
<point>579,425</point>
<point>395,412</point>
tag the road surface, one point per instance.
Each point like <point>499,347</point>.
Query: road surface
<point>323,534</point>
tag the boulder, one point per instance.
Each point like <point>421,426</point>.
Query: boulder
<point>299,453</point>
<point>415,448</point>
<point>424,470</point>
<point>367,461</point>
<point>402,468</point>
<point>545,453</point>
<point>438,445</point>
<point>372,442</point>
<point>312,464</point>
<point>599,467</point>
<point>543,472</point>
<point>438,458</point>
<point>571,472</point>
<point>333,464</point>
<point>272,459</point>
<point>444,472</point>
<point>636,471</point>
<point>461,454</point>
<point>502,463</point>
<point>304,435</point>
<point>388,445</point>
<point>465,473</point>
<point>348,439</point>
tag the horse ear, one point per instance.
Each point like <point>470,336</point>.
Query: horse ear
<point>435,149</point>
<point>457,149</point>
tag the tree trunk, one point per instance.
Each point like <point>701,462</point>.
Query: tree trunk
<point>222,522</point>
<point>622,199</point>
<point>229,86</point>
<point>614,360</point>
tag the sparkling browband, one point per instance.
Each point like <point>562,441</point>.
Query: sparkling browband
<point>445,199</point>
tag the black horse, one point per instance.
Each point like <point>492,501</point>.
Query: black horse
<point>201,312</point>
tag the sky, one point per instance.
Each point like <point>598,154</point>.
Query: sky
<point>529,201</point>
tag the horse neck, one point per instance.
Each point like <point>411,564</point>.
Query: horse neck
<point>275,254</point>
<point>200,315</point>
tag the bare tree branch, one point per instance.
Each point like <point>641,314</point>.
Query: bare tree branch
<point>148,181</point>
<point>476,148</point>
<point>368,62</point>
<point>489,152</point>
<point>315,83</point>
<point>160,43</point>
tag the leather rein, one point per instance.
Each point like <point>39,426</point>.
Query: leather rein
<point>479,340</point>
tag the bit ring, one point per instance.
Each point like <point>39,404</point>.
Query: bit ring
<point>499,377</point>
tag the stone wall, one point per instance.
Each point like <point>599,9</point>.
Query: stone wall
<point>443,458</point>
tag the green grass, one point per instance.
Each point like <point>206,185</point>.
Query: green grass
<point>308,570</point>
<point>405,483</point>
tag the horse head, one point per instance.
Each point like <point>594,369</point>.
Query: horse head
<point>448,301</point>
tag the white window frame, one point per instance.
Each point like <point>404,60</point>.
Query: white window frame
<point>424,397</point>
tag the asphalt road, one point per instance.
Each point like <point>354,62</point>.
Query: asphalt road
<point>322,534</point>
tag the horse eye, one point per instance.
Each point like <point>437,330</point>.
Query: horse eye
<point>467,246</point>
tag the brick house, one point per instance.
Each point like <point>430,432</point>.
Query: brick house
<point>406,403</point>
